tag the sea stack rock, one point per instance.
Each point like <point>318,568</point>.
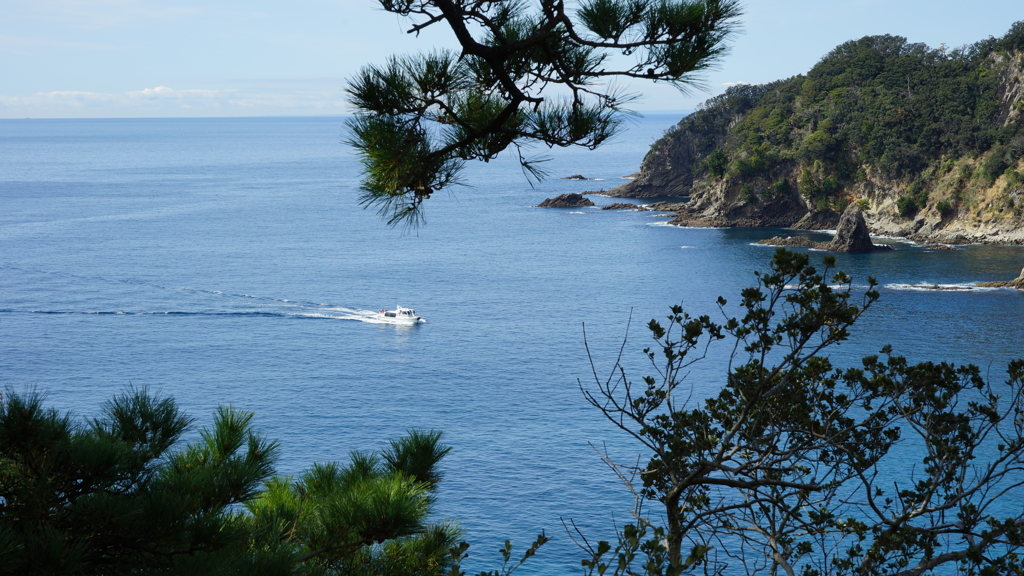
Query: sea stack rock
<point>852,234</point>
<point>566,201</point>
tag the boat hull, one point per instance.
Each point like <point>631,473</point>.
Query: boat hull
<point>400,316</point>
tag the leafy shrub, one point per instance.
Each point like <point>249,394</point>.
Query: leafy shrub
<point>1014,179</point>
<point>994,163</point>
<point>907,206</point>
<point>753,163</point>
<point>747,193</point>
<point>716,163</point>
<point>918,192</point>
<point>863,204</point>
<point>778,188</point>
<point>943,207</point>
<point>829,186</point>
<point>1014,39</point>
<point>819,145</point>
<point>808,185</point>
<point>1015,148</point>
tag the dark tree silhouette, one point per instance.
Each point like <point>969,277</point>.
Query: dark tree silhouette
<point>526,74</point>
<point>797,467</point>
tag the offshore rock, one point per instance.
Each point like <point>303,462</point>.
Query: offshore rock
<point>624,206</point>
<point>573,200</point>
<point>851,236</point>
<point>1017,283</point>
<point>791,242</point>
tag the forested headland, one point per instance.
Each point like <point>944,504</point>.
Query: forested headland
<point>928,141</point>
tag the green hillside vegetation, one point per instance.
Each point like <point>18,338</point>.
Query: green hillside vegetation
<point>942,128</point>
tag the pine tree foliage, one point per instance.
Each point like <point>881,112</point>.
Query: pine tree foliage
<point>369,517</point>
<point>119,494</point>
<point>526,74</point>
<point>110,496</point>
<point>798,467</point>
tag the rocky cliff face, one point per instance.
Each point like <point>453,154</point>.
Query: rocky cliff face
<point>672,166</point>
<point>937,156</point>
<point>986,213</point>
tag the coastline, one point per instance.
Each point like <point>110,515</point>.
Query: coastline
<point>952,236</point>
<point>949,231</point>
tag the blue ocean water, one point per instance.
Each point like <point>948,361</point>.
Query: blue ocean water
<point>226,261</point>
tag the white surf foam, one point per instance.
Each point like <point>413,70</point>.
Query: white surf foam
<point>938,287</point>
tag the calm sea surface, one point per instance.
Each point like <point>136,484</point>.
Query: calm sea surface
<point>226,261</point>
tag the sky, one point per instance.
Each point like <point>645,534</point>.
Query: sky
<point>214,58</point>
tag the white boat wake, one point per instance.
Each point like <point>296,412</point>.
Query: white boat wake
<point>368,316</point>
<point>150,299</point>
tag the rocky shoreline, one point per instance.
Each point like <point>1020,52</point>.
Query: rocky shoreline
<point>1012,237</point>
<point>1017,283</point>
<point>931,230</point>
<point>937,232</point>
<point>854,229</point>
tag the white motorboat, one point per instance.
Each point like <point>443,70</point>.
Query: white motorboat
<point>400,315</point>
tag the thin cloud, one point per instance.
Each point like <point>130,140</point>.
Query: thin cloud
<point>335,82</point>
<point>165,92</point>
<point>94,14</point>
<point>167,101</point>
<point>49,43</point>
